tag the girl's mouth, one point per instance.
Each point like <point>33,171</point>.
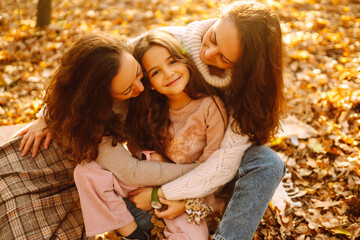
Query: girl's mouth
<point>172,82</point>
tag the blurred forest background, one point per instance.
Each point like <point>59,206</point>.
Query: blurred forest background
<point>320,142</point>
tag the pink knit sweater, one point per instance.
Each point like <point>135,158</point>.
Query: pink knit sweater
<point>197,130</point>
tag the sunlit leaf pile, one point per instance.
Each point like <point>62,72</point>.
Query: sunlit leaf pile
<point>322,86</point>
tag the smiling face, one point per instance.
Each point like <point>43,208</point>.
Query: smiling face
<point>166,74</point>
<point>221,45</point>
<point>127,82</point>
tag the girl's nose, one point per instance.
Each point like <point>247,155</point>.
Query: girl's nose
<point>168,72</point>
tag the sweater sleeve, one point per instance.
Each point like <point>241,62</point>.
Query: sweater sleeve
<point>216,119</point>
<point>216,171</point>
<point>132,171</point>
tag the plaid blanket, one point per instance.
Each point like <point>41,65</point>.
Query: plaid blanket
<point>38,197</point>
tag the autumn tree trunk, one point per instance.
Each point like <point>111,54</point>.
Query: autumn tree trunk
<point>43,13</point>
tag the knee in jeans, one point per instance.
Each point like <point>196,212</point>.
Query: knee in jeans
<point>276,163</point>
<point>271,159</point>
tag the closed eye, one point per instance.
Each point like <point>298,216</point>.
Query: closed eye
<point>226,60</point>
<point>223,58</point>
<point>127,91</point>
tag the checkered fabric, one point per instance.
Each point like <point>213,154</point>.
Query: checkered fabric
<point>38,197</point>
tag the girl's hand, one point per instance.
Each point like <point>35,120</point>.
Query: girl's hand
<point>33,136</point>
<point>156,157</point>
<point>142,198</point>
<point>174,209</point>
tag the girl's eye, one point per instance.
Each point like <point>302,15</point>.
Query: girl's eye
<point>154,73</point>
<point>173,61</point>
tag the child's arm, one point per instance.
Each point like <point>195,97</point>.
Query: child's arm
<point>132,171</point>
<point>157,157</point>
<point>216,121</point>
<point>136,151</point>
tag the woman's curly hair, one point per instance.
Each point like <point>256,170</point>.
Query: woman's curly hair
<point>256,90</point>
<point>78,99</point>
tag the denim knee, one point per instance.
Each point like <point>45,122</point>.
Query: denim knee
<point>276,162</point>
<point>261,155</point>
<point>142,218</point>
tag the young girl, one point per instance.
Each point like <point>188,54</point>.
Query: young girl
<point>170,118</point>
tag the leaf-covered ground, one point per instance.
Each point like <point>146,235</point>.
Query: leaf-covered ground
<point>322,77</point>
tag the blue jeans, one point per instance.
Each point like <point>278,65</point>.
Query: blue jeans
<point>142,218</point>
<point>260,172</point>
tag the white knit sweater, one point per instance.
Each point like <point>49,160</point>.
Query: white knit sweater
<point>223,164</point>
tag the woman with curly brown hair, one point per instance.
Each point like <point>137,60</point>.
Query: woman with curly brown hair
<point>94,73</point>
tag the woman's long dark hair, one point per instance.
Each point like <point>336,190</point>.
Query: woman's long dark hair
<point>78,100</point>
<point>256,90</point>
<point>148,119</point>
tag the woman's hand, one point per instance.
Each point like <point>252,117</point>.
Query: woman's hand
<point>173,210</point>
<point>33,136</point>
<point>142,198</point>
